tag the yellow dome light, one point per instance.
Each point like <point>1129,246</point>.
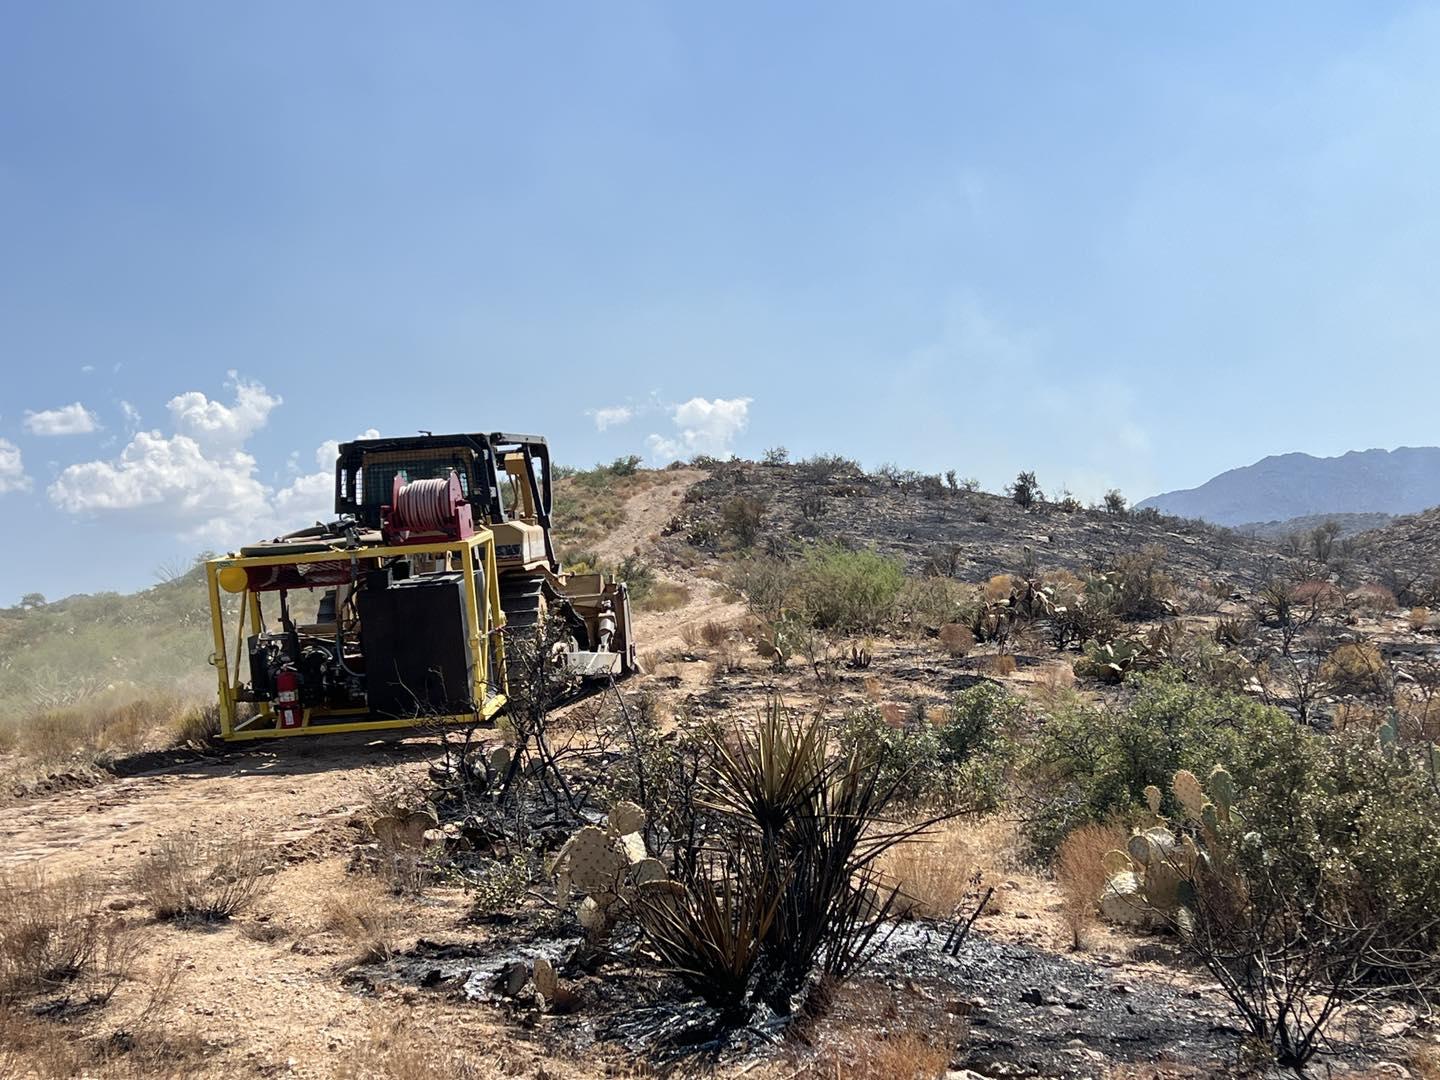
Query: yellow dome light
<point>233,578</point>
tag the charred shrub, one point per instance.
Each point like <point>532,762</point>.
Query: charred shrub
<point>743,518</point>
<point>793,905</point>
<point>1026,491</point>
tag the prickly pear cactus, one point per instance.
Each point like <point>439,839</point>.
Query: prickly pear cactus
<point>1152,799</point>
<point>1222,790</point>
<point>590,861</point>
<point>500,760</point>
<point>546,981</point>
<point>606,864</point>
<point>1189,794</point>
<point>626,818</point>
<point>1150,884</point>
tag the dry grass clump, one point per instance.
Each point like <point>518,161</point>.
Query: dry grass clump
<point>393,1053</point>
<point>1356,667</point>
<point>197,726</point>
<point>191,878</point>
<point>1426,1063</point>
<point>1321,594</point>
<point>1374,599</point>
<point>999,588</point>
<point>1080,874</point>
<point>366,917</point>
<point>45,1048</point>
<point>728,658</point>
<point>957,639</point>
<point>876,1033</point>
<point>950,868</point>
<point>1419,619</point>
<point>54,933</point>
<point>998,664</point>
<point>902,1055</point>
<point>93,730</point>
<point>664,596</point>
<point>929,603</point>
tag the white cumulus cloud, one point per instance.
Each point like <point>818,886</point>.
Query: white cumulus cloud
<point>329,450</point>
<point>170,482</point>
<point>702,426</point>
<point>610,416</point>
<point>213,424</point>
<point>72,419</point>
<point>12,468</point>
<point>199,482</point>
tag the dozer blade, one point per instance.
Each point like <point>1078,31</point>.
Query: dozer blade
<point>594,665</point>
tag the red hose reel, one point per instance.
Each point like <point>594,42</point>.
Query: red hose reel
<point>427,511</point>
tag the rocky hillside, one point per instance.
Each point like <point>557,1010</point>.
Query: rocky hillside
<point>1408,546</point>
<point>973,534</point>
<point>1350,525</point>
<point>1402,481</point>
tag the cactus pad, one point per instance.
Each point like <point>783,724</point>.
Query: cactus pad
<point>1189,793</point>
<point>1139,848</point>
<point>590,861</point>
<point>1115,862</point>
<point>546,981</point>
<point>500,760</point>
<point>625,818</point>
<point>1222,787</point>
<point>1152,798</point>
<point>647,870</point>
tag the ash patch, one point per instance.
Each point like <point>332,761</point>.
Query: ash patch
<point>1032,1013</point>
<point>1029,1013</point>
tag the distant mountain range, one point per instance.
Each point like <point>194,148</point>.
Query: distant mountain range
<point>1285,486</point>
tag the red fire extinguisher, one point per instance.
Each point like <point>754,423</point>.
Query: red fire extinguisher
<point>287,695</point>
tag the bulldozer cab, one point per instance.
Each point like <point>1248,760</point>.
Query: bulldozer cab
<point>507,481</point>
<point>506,478</point>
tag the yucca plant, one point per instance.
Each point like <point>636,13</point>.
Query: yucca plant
<point>814,827</point>
<point>710,934</point>
<point>772,775</point>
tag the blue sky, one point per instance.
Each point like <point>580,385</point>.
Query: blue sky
<point>1123,244</point>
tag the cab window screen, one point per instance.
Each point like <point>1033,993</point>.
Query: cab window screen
<point>377,479</point>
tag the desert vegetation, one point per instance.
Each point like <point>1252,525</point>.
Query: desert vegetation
<point>905,791</point>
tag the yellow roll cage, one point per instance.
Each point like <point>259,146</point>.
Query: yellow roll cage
<point>485,617</point>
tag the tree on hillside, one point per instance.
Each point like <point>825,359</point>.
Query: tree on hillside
<point>1026,491</point>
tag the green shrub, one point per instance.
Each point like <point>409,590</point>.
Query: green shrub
<point>1142,589</point>
<point>829,588</point>
<point>822,467</point>
<point>1087,762</point>
<point>742,517</point>
<point>848,590</point>
<point>1317,883</point>
<point>622,466</point>
<point>959,763</point>
<point>932,602</point>
<point>1026,491</point>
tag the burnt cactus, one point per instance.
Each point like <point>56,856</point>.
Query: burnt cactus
<point>606,865</point>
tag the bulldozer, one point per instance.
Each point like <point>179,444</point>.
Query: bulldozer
<point>396,613</point>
